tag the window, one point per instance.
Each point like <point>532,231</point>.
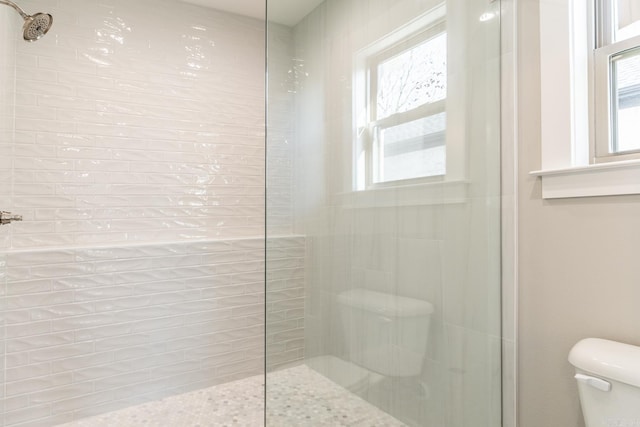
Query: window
<point>617,80</point>
<point>400,102</point>
<point>590,93</point>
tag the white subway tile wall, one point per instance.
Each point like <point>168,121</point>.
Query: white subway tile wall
<point>91,330</point>
<point>139,121</point>
<point>8,27</point>
<point>281,130</point>
<point>138,163</point>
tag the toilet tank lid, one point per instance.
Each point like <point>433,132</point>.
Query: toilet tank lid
<point>608,359</point>
<point>385,304</point>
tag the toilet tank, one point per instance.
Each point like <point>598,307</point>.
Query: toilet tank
<point>608,375</point>
<point>385,333</point>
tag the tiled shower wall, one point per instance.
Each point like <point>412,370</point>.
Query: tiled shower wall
<point>93,330</point>
<point>8,26</point>
<point>7,91</point>
<point>138,165</point>
<point>139,121</point>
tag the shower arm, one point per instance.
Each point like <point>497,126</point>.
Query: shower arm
<point>16,7</point>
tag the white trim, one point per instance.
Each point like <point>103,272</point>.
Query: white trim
<point>566,128</point>
<point>603,179</point>
<point>557,84</point>
<point>419,30</point>
<point>455,102</point>
<point>509,227</point>
<point>627,164</point>
<point>603,105</point>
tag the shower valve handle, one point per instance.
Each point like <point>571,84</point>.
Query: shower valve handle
<point>8,218</point>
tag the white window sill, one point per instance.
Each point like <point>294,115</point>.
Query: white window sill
<point>434,193</point>
<point>603,179</point>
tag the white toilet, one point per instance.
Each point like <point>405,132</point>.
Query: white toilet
<point>608,375</point>
<point>385,334</point>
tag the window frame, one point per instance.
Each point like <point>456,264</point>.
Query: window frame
<point>568,167</point>
<point>423,28</point>
<point>605,50</point>
<point>376,126</point>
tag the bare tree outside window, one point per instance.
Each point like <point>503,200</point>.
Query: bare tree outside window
<point>413,78</point>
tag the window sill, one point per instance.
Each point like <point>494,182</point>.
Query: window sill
<point>434,193</point>
<point>604,179</point>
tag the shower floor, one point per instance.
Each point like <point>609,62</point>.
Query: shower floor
<point>297,397</point>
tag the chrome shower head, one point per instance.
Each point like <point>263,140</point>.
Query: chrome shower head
<point>35,26</point>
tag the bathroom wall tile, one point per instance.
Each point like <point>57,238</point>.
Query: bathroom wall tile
<point>37,384</point>
<point>38,341</point>
<point>40,299</point>
<point>109,330</point>
<point>60,352</point>
<point>40,257</point>
<point>84,401</point>
<point>475,226</point>
<point>132,331</point>
<point>122,380</point>
<point>122,145</point>
<point>28,371</point>
<point>26,329</point>
<point>249,365</point>
<point>15,403</point>
<point>33,412</point>
<point>59,393</point>
<point>30,286</point>
<point>473,360</point>
<point>126,105</point>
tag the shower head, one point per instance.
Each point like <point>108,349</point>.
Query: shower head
<point>35,26</point>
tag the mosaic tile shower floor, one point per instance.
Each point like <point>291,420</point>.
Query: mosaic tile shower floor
<point>292,403</point>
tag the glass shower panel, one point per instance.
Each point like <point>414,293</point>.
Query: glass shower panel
<point>391,313</point>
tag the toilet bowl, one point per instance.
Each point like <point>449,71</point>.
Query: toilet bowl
<point>608,375</point>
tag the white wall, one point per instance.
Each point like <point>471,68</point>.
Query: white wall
<point>578,272</point>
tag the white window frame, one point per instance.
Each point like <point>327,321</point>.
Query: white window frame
<point>375,126</point>
<point>453,105</point>
<point>570,102</point>
<point>605,49</point>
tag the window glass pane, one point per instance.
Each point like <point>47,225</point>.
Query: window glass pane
<point>412,150</point>
<point>626,101</point>
<point>412,78</point>
<point>628,14</point>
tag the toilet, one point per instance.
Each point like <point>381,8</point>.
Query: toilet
<point>385,334</point>
<point>608,375</point>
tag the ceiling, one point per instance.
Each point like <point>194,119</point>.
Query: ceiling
<point>286,12</point>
